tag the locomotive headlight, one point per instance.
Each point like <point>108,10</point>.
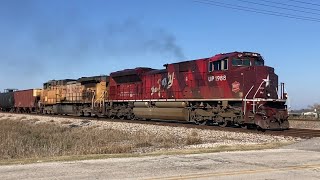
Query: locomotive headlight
<point>268,94</point>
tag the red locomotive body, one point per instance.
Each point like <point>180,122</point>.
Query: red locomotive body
<point>233,88</point>
<point>127,85</point>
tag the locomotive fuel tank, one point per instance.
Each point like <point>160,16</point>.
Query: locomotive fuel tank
<point>162,113</point>
<point>171,104</point>
<point>161,110</point>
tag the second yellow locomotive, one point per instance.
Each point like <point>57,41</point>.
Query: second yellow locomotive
<point>69,96</point>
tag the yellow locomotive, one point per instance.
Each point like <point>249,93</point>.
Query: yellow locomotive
<point>69,96</point>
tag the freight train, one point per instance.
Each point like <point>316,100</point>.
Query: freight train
<point>227,89</point>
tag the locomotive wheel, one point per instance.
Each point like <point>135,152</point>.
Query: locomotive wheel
<point>202,123</point>
<point>244,126</point>
<point>260,129</point>
<point>224,124</point>
<point>130,117</point>
<point>197,119</point>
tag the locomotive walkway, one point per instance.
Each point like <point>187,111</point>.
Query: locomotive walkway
<point>298,161</point>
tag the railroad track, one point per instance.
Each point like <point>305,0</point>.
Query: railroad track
<point>308,120</point>
<point>293,132</point>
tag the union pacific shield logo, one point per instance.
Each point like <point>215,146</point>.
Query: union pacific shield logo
<point>235,87</point>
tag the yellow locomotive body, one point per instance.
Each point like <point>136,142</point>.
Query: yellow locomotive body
<point>85,95</point>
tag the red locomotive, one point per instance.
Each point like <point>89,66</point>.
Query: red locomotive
<point>227,89</point>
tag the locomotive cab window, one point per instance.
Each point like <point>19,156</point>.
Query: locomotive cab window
<point>241,62</point>
<point>218,65</point>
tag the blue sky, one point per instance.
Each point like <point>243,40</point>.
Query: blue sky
<point>57,39</point>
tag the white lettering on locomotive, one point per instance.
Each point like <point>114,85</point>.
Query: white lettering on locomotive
<point>165,83</point>
<point>155,90</point>
<point>217,78</point>
<point>221,78</point>
<point>170,80</point>
<point>210,78</point>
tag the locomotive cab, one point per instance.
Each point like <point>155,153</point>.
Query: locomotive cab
<point>256,85</point>
<point>240,60</point>
<point>262,103</point>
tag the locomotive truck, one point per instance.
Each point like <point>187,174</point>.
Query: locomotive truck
<point>234,88</point>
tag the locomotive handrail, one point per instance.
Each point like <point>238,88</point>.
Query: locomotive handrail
<point>100,99</point>
<point>92,100</point>
<point>254,104</point>
<point>245,100</point>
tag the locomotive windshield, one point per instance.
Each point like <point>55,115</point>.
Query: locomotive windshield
<point>247,62</point>
<point>241,62</point>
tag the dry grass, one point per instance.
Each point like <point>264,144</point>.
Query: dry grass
<point>24,139</point>
<point>22,118</point>
<point>193,138</point>
<point>66,122</point>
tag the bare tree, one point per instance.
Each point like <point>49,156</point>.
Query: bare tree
<point>315,107</point>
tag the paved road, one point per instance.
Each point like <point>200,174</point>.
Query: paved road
<point>301,161</point>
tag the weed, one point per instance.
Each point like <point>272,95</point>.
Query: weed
<point>193,138</point>
<point>85,121</point>
<point>34,120</point>
<point>66,122</point>
<point>22,118</point>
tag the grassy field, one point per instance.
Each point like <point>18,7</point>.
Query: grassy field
<point>26,139</point>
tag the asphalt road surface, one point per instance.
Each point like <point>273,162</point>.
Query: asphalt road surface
<point>299,161</point>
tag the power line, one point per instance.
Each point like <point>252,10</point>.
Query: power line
<point>302,2</point>
<point>258,11</point>
<point>290,5</point>
<point>278,7</point>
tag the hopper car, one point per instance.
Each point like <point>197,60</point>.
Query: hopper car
<point>21,101</point>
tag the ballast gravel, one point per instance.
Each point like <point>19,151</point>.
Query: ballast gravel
<point>209,138</point>
<point>313,124</point>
